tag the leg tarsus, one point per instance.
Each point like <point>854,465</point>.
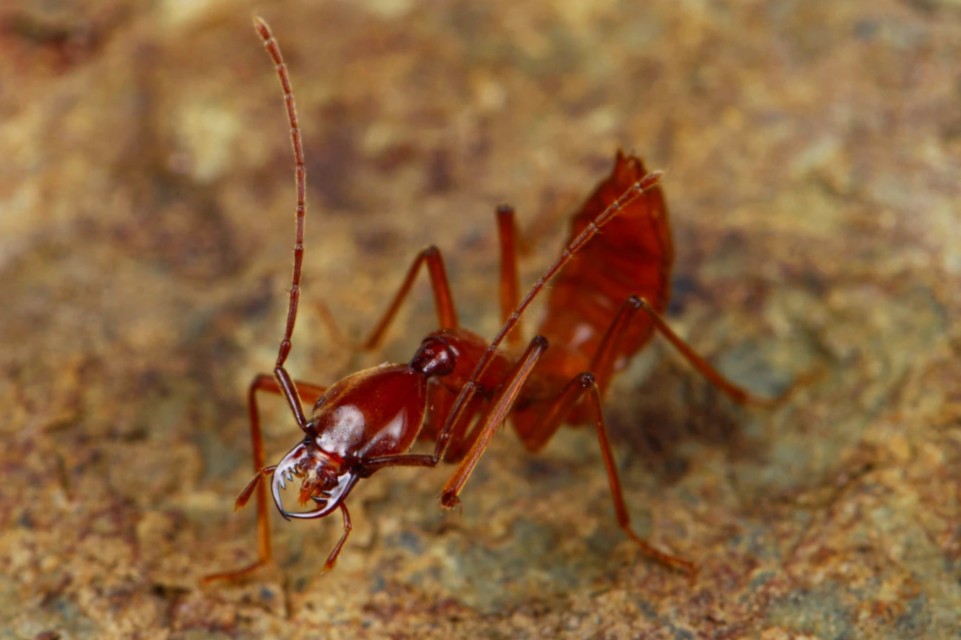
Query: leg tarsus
<point>237,574</point>
<point>332,556</point>
<point>255,482</point>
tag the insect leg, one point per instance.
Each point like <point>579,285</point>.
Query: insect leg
<point>332,556</point>
<point>443,301</point>
<point>265,383</point>
<point>735,392</point>
<point>509,288</point>
<point>585,382</point>
<point>493,419</point>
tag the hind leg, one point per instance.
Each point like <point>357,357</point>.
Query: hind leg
<point>554,416</point>
<point>536,425</point>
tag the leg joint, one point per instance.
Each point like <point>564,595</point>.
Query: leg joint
<point>638,302</point>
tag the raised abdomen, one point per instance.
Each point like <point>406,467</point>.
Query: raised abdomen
<point>632,254</point>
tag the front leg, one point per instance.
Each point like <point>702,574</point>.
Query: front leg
<point>261,383</point>
<point>493,419</point>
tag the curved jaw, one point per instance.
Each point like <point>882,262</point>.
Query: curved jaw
<point>322,481</point>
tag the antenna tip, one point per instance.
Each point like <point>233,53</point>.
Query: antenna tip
<point>649,180</point>
<point>260,26</point>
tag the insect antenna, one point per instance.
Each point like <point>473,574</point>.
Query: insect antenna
<point>300,173</point>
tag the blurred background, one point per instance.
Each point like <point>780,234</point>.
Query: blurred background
<point>812,154</point>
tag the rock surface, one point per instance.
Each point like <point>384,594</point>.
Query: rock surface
<point>813,154</point>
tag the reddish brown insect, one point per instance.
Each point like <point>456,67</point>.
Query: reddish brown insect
<point>369,420</point>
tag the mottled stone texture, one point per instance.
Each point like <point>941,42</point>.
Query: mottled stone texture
<point>812,152</point>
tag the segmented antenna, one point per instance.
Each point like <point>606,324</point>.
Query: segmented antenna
<point>273,50</point>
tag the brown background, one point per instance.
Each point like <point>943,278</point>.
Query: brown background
<point>812,156</point>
